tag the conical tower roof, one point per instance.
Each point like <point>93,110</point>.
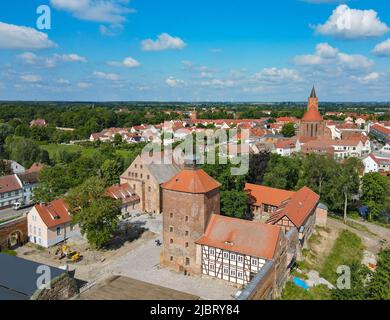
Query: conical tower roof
<point>313,93</point>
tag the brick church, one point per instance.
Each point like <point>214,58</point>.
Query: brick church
<point>312,126</point>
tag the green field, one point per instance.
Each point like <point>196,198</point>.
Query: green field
<point>52,149</point>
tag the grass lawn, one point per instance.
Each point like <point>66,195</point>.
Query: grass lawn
<point>348,249</point>
<point>52,149</point>
<point>9,252</point>
<point>293,292</point>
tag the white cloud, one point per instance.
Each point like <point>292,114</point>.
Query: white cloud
<point>19,37</point>
<point>350,23</point>
<point>127,63</point>
<point>83,85</point>
<point>28,57</point>
<point>173,82</point>
<point>72,57</point>
<point>31,78</point>
<point>105,11</point>
<point>106,76</point>
<point>326,54</point>
<point>367,78</point>
<point>382,49</point>
<point>163,42</point>
<point>277,75</point>
<point>111,30</point>
<point>49,62</point>
<point>217,83</point>
<point>63,82</point>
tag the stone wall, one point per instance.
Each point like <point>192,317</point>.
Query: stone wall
<point>62,288</point>
<point>18,225</point>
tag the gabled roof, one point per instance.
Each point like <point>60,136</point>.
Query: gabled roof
<point>28,177</point>
<point>123,192</point>
<point>297,208</point>
<point>267,195</point>
<point>54,213</point>
<point>36,167</point>
<point>192,181</point>
<point>9,183</point>
<point>250,238</point>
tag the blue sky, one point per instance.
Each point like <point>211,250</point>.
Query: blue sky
<point>196,50</point>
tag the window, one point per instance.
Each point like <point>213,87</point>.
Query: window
<point>212,267</point>
<point>233,257</point>
<point>187,233</point>
<point>226,255</point>
<point>226,271</point>
<point>148,177</point>
<point>141,166</point>
<point>171,258</point>
<point>212,251</point>
<point>136,175</point>
<point>135,166</point>
<point>39,231</point>
<point>171,215</point>
<point>171,241</point>
<point>58,231</point>
<point>232,273</point>
<point>239,275</point>
<point>186,244</point>
<point>254,262</point>
<point>170,229</point>
<point>240,259</point>
<point>35,230</point>
<point>149,189</point>
<point>187,261</point>
<point>141,175</point>
<point>187,218</point>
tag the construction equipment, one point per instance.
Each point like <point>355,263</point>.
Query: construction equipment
<point>65,251</point>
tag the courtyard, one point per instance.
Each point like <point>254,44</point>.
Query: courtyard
<point>133,255</point>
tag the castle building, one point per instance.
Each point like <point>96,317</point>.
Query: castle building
<point>312,124</point>
<point>190,198</point>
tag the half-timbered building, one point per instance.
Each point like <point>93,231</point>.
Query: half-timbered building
<point>235,250</point>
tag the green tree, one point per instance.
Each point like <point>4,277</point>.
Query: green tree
<point>96,213</point>
<point>53,183</point>
<point>288,130</point>
<point>111,171</point>
<point>117,139</point>
<point>5,168</point>
<point>257,167</point>
<point>375,193</point>
<point>22,150</point>
<point>234,203</point>
<point>379,286</point>
<point>282,172</point>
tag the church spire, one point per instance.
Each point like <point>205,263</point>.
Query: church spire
<point>313,93</point>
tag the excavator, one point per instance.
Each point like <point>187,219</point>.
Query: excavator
<point>65,251</point>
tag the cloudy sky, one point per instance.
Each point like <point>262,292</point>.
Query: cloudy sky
<point>195,50</point>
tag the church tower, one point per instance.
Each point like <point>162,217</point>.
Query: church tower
<point>313,101</point>
<point>312,125</point>
<point>189,200</point>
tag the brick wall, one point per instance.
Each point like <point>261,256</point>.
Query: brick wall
<point>6,229</point>
<point>185,220</point>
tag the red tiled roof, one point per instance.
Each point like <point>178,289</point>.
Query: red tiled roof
<point>312,115</point>
<point>9,183</point>
<point>381,129</point>
<point>191,181</point>
<point>285,144</point>
<point>123,192</point>
<point>241,236</point>
<point>297,208</point>
<point>287,119</point>
<point>267,195</point>
<point>36,167</point>
<point>54,213</point>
